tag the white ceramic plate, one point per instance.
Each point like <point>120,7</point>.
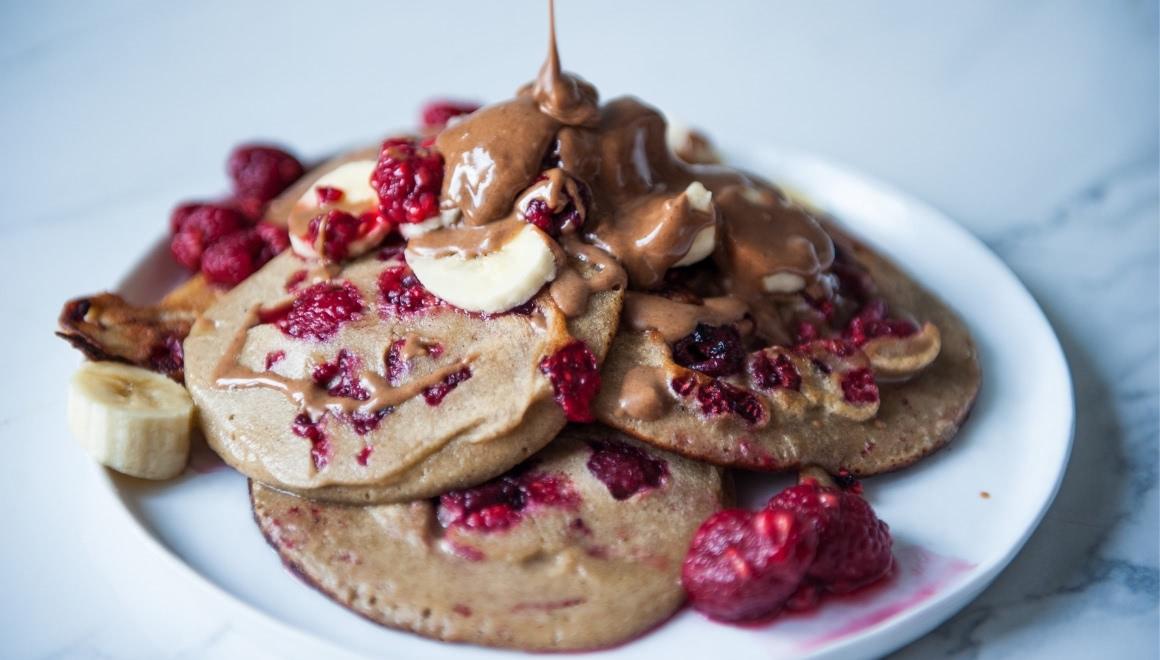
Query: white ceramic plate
<point>958,517</point>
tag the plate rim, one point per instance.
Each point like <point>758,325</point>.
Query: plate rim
<point>887,635</point>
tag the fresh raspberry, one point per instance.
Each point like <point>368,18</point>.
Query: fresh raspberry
<point>233,258</point>
<point>434,394</point>
<point>778,372</point>
<point>624,469</point>
<point>872,322</point>
<point>342,229</point>
<point>853,544</point>
<point>710,349</point>
<point>743,565</point>
<point>408,179</point>
<point>402,293</point>
<point>567,217</point>
<point>260,173</point>
<point>859,386</point>
<point>342,377</point>
<point>180,215</point>
<point>501,502</point>
<point>200,227</point>
<point>275,238</point>
<point>436,114</point>
<point>575,379</point>
<point>328,195</point>
<point>318,312</point>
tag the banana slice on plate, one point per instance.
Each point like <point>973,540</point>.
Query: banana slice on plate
<point>132,420</point>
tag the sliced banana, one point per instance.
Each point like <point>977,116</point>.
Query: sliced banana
<point>492,282</point>
<point>701,200</point>
<point>132,420</point>
<point>353,179</point>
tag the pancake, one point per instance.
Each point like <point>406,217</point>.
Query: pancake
<point>572,566</point>
<point>912,419</point>
<point>321,413</point>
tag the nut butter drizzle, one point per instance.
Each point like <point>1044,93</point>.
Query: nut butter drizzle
<point>308,396</point>
<point>639,211</point>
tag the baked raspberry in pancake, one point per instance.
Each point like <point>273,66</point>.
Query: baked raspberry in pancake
<point>578,548</point>
<point>363,386</point>
<point>874,396</point>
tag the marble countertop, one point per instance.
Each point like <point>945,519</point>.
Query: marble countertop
<point>1034,124</point>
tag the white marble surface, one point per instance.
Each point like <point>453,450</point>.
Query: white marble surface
<point>1032,123</point>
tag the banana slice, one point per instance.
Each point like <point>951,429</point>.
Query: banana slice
<point>353,179</point>
<point>132,420</point>
<point>492,282</point>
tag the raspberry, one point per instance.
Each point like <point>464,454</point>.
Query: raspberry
<point>718,398</point>
<point>859,386</point>
<point>318,312</point>
<point>712,350</point>
<point>500,503</point>
<point>777,372</point>
<point>743,566</point>
<point>328,195</point>
<point>402,293</point>
<point>275,238</point>
<point>624,469</point>
<point>871,322</point>
<point>408,179</point>
<point>555,221</point>
<point>434,395</point>
<point>260,173</point>
<point>436,114</point>
<point>853,544</point>
<point>233,258</point>
<point>304,427</point>
<point>341,377</point>
<point>341,229</point>
<point>575,379</point>
<point>201,226</point>
<point>180,215</point>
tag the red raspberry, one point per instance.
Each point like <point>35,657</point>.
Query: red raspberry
<point>871,322</point>
<point>436,114</point>
<point>318,312</point>
<point>342,377</point>
<point>434,394</point>
<point>743,566</point>
<point>233,258</point>
<point>500,503</point>
<point>776,372</point>
<point>710,349</point>
<point>402,293</point>
<point>180,215</point>
<point>853,544</point>
<point>342,229</point>
<point>859,386</point>
<point>275,238</point>
<point>575,379</point>
<point>408,180</point>
<point>624,469</point>
<point>201,226</point>
<point>260,173</point>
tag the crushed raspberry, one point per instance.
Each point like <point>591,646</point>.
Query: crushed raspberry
<point>408,179</point>
<point>402,293</point>
<point>342,377</point>
<point>774,373</point>
<point>328,195</point>
<point>318,312</point>
<point>854,546</point>
<point>712,350</point>
<point>273,358</point>
<point>500,503</point>
<point>624,469</point>
<point>341,229</point>
<point>304,427</point>
<point>260,173</point>
<point>858,386</point>
<point>718,398</point>
<point>436,114</point>
<point>434,395</point>
<point>743,566</point>
<point>556,221</point>
<point>364,455</point>
<point>365,422</point>
<point>871,322</point>
<point>575,379</point>
<point>835,347</point>
<point>168,357</point>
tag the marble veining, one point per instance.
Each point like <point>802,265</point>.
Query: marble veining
<point>1034,124</point>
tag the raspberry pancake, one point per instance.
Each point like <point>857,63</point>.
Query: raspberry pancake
<point>866,403</point>
<point>579,548</point>
<point>360,385</point>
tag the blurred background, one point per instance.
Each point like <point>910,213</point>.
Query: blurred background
<point>1032,123</point>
